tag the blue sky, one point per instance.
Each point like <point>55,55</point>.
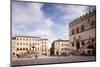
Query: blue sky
<point>44,19</point>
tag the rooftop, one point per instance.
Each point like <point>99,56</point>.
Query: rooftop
<point>13,38</point>
<point>87,14</point>
<point>44,39</point>
<point>61,40</point>
<point>28,36</point>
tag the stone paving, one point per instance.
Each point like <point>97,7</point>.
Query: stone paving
<point>52,59</point>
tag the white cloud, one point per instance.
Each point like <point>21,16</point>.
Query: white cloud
<point>48,23</point>
<point>72,11</point>
<point>23,16</point>
<point>32,14</point>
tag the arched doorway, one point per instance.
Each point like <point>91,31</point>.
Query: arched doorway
<point>57,53</point>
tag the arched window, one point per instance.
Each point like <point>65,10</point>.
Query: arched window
<point>83,43</point>
<point>72,31</point>
<point>77,30</point>
<point>82,28</point>
<point>73,44</point>
<point>93,23</point>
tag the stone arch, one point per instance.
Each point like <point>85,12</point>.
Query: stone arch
<point>90,47</point>
<point>91,50</point>
<point>57,53</point>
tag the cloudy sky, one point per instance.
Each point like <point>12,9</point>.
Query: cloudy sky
<point>44,19</point>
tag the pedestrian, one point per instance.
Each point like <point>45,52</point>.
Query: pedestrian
<point>36,57</point>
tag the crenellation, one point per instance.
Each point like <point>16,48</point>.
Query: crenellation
<point>82,17</point>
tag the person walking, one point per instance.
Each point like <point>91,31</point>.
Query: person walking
<point>36,57</point>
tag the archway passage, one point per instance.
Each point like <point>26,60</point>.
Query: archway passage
<point>90,47</point>
<point>91,50</point>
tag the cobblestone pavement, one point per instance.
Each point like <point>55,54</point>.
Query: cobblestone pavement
<point>53,59</point>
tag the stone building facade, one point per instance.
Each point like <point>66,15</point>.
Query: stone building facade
<point>82,34</point>
<point>60,47</point>
<point>28,46</point>
<point>44,47</point>
<point>13,47</point>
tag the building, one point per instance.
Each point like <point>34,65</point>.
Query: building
<point>13,47</point>
<point>82,36</point>
<point>60,47</point>
<point>44,47</point>
<point>28,46</point>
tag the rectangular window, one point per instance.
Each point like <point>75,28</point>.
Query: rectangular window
<point>26,48</point>
<point>17,48</point>
<point>26,43</point>
<point>20,38</point>
<point>23,48</point>
<point>20,43</point>
<point>17,43</point>
<point>30,48</point>
<point>26,39</point>
<point>17,38</point>
<point>20,48</point>
<point>62,44</point>
<point>23,43</point>
<point>29,39</point>
<point>33,39</point>
<point>23,39</point>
